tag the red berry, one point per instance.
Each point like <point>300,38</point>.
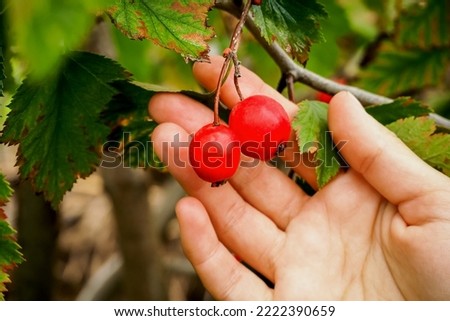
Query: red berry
<point>262,126</point>
<point>257,2</point>
<point>214,153</point>
<point>323,97</point>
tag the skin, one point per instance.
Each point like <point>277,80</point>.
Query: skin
<point>378,231</point>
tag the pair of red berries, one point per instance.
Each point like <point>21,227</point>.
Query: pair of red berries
<point>258,127</point>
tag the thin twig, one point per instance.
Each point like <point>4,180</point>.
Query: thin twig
<point>230,54</point>
<point>225,66</point>
<point>237,75</point>
<point>288,66</point>
<point>290,86</point>
<point>440,121</point>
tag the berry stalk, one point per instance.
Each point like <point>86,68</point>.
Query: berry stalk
<point>230,55</point>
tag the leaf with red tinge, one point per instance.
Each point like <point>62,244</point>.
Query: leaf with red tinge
<point>57,124</point>
<point>424,24</point>
<point>419,134</point>
<point>178,25</point>
<point>295,25</point>
<point>395,71</point>
<point>9,249</point>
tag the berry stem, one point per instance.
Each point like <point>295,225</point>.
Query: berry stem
<point>230,55</point>
<point>290,86</point>
<point>225,66</point>
<point>237,75</point>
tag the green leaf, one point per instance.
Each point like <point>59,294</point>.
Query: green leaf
<point>309,123</point>
<point>313,136</point>
<point>44,29</point>
<point>179,25</point>
<point>419,134</point>
<point>396,71</point>
<point>10,255</point>
<point>329,160</point>
<point>56,123</point>
<point>9,249</point>
<point>402,107</point>
<point>3,280</point>
<point>295,25</point>
<point>5,190</point>
<point>425,24</point>
<point>129,141</point>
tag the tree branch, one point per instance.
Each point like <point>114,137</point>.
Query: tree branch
<point>307,77</point>
<point>289,67</point>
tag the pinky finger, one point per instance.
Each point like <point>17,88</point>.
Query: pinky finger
<point>222,275</point>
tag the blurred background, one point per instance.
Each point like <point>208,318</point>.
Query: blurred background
<point>115,235</point>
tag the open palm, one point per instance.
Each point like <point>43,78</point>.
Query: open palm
<point>379,230</point>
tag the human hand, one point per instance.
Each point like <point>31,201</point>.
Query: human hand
<point>378,231</point>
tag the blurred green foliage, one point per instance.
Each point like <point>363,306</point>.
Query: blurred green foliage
<point>43,30</point>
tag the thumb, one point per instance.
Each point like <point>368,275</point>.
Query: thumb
<point>376,153</point>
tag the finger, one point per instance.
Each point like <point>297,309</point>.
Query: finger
<point>263,186</point>
<point>250,84</point>
<point>384,161</point>
<point>239,226</point>
<point>222,275</point>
